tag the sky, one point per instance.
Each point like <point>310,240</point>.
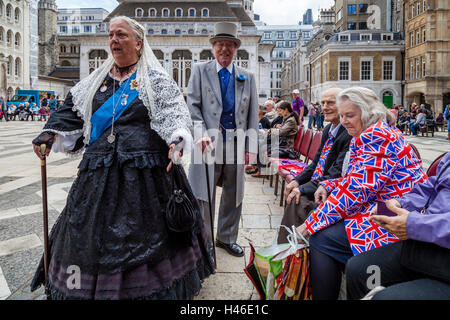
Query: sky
<point>272,12</point>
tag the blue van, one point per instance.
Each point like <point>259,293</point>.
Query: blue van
<point>30,96</point>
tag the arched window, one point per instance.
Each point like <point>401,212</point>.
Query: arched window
<point>9,37</point>
<point>179,12</point>
<point>17,67</point>
<point>150,31</point>
<point>73,48</point>
<point>96,58</point>
<point>66,63</point>
<point>191,12</point>
<point>9,63</point>
<point>1,8</point>
<point>206,55</point>
<point>205,12</point>
<point>17,40</point>
<point>242,58</point>
<point>204,31</point>
<point>181,67</point>
<point>1,34</point>
<point>165,12</point>
<point>139,12</point>
<point>8,10</point>
<point>62,48</point>
<point>152,12</point>
<point>177,31</point>
<point>164,31</point>
<point>10,92</point>
<point>191,31</point>
<point>17,14</point>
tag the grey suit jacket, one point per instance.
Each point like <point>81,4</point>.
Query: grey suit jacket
<point>204,100</point>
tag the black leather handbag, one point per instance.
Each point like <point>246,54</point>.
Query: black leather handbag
<point>183,211</point>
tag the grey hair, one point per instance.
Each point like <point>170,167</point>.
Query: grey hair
<point>372,109</point>
<point>271,102</point>
<point>138,29</point>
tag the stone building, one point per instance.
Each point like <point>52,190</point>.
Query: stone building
<point>427,54</point>
<point>48,41</point>
<point>16,48</point>
<point>178,32</point>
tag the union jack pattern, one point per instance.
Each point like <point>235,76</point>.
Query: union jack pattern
<point>382,166</point>
<point>318,172</point>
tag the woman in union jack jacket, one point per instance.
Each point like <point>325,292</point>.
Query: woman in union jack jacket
<point>382,165</point>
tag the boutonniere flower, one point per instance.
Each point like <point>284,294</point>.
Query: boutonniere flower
<point>241,78</point>
<point>134,84</point>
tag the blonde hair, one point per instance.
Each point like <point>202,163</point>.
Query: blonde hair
<point>372,109</point>
<point>138,29</point>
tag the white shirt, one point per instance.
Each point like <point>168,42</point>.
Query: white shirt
<point>334,130</point>
<point>229,68</point>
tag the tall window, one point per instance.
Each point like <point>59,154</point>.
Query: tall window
<point>418,7</point>
<point>417,37</point>
<point>280,35</point>
<point>179,12</point>
<point>339,15</point>
<point>411,39</point>
<point>17,14</point>
<point>388,70</point>
<point>344,70</point>
<point>139,12</point>
<point>17,67</point>
<point>88,29</point>
<point>165,12</point>
<point>423,67</point>
<point>363,8</point>
<point>351,9</point>
<point>267,35</point>
<point>293,34</point>
<point>191,12</point>
<point>424,5</point>
<point>351,26</point>
<point>411,69</point>
<point>366,70</point>
<point>423,34</point>
<point>17,39</point>
<point>205,12</point>
<point>417,69</point>
<point>152,12</point>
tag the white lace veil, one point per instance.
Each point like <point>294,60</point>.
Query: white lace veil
<point>83,93</point>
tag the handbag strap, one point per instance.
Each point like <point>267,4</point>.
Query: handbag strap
<point>431,194</point>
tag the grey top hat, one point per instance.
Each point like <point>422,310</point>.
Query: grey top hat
<point>225,31</point>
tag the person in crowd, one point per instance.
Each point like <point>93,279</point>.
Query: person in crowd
<point>42,114</point>
<point>298,105</point>
<point>234,94</point>
<point>447,118</point>
<point>52,103</point>
<point>20,112</point>
<point>422,221</point>
<point>320,117</point>
<point>26,112</point>
<point>312,115</point>
<point>261,112</point>
<point>35,110</point>
<point>12,111</point>
<point>113,227</point>
<point>277,99</point>
<point>271,114</point>
<point>394,111</point>
<point>327,164</point>
<point>419,122</point>
<point>286,132</point>
<point>382,165</point>
<point>4,109</point>
<point>403,121</point>
<point>440,119</point>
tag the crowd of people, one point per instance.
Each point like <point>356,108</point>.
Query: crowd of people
<point>115,225</point>
<point>25,111</point>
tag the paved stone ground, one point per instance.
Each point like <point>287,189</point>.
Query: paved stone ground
<point>21,214</point>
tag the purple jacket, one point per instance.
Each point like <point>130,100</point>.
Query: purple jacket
<point>297,104</point>
<point>434,225</point>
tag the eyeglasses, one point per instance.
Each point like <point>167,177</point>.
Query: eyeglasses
<point>221,45</point>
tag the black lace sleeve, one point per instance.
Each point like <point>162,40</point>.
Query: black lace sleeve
<point>64,119</point>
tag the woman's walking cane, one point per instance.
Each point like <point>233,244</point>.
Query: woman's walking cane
<point>45,210</point>
<point>210,209</point>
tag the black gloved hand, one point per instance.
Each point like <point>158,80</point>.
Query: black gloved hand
<point>46,137</point>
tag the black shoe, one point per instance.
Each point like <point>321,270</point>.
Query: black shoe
<point>234,249</point>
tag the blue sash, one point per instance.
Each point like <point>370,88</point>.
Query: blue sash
<point>102,118</point>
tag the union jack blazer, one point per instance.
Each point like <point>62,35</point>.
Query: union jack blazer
<point>382,166</point>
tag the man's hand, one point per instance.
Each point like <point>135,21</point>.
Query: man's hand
<point>395,225</point>
<point>320,195</point>
<point>302,230</point>
<point>289,188</point>
<point>250,158</point>
<point>205,144</point>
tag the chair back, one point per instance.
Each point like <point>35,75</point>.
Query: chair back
<point>432,170</point>
<point>306,142</point>
<point>415,150</point>
<point>298,139</point>
<point>315,144</point>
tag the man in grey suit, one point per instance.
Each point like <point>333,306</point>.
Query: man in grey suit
<point>223,102</point>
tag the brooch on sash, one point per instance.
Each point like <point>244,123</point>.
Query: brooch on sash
<point>134,84</point>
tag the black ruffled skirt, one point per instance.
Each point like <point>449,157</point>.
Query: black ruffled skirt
<point>111,240</point>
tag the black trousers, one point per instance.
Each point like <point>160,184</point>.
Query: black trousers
<point>400,282</point>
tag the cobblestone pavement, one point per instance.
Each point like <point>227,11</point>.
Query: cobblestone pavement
<point>21,214</point>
